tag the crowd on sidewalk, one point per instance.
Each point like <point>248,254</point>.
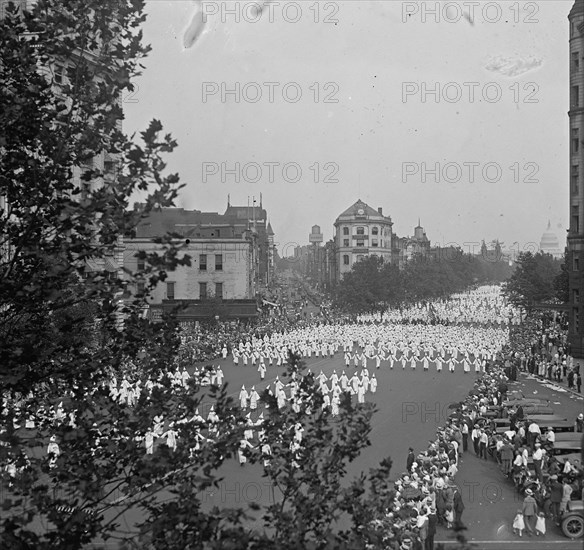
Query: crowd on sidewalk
<point>542,349</point>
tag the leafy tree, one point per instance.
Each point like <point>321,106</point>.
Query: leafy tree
<point>533,279</point>
<point>373,284</point>
<point>67,174</point>
<point>309,474</point>
<point>66,335</point>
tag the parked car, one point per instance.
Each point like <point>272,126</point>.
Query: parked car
<point>533,408</point>
<point>566,447</point>
<point>573,520</point>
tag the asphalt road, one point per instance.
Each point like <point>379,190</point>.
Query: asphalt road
<point>411,405</point>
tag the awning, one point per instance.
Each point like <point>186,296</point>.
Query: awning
<point>110,265</point>
<point>92,266</point>
<point>96,265</point>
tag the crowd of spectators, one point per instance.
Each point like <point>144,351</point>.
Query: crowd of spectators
<point>542,349</point>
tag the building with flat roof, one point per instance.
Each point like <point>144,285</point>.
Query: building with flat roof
<point>232,258</point>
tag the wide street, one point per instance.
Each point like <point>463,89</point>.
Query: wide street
<point>411,405</point>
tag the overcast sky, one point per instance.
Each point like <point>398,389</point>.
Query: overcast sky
<point>363,126</point>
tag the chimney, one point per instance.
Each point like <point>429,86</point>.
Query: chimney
<point>380,210</point>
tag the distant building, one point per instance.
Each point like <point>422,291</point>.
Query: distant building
<point>410,247</point>
<point>222,270</point>
<point>575,245</point>
<point>232,258</point>
<point>315,236</point>
<point>361,231</point>
<point>550,243</point>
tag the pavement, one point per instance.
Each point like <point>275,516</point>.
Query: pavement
<point>411,405</point>
<point>491,501</point>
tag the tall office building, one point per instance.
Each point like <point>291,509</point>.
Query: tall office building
<point>575,250</point>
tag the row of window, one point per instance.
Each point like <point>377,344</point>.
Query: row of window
<point>347,259</point>
<point>202,263</point>
<point>361,231</point>
<point>374,242</point>
<point>203,290</point>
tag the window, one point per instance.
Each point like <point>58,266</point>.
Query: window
<point>575,179</point>
<point>576,296</point>
<point>140,288</point>
<point>345,230</point>
<point>575,97</point>
<point>346,259</point>
<point>203,262</point>
<point>360,231</point>
<point>381,243</point>
<point>59,74</point>
<point>374,243</point>
<point>141,264</point>
<point>218,262</point>
<point>219,290</point>
<point>346,242</point>
<point>360,243</point>
<point>575,140</point>
<point>575,61</point>
<point>202,290</point>
<point>576,263</point>
<point>169,290</point>
<point>375,231</point>
<point>576,314</point>
<point>575,225</point>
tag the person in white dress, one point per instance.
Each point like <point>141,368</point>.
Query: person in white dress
<point>361,393</point>
<point>243,397</point>
<point>149,442</point>
<point>254,397</point>
<point>219,376</point>
<point>53,451</point>
<point>335,402</point>
<point>171,437</point>
<point>243,445</point>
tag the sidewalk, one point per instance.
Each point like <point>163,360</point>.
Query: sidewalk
<point>561,387</point>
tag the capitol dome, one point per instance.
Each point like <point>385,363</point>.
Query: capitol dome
<point>550,243</point>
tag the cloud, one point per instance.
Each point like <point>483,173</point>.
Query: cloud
<point>512,66</point>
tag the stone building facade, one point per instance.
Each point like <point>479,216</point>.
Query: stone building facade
<point>360,231</point>
<point>575,248</point>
